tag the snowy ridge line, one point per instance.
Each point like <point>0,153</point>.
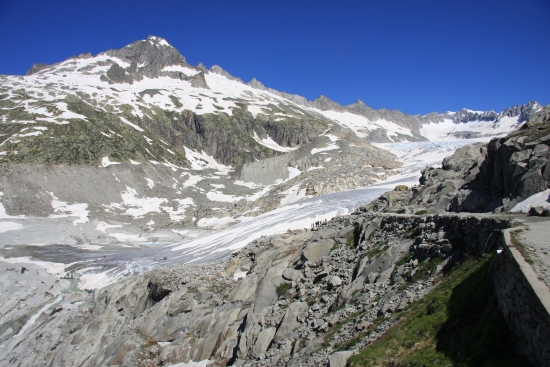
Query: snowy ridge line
<point>221,96</point>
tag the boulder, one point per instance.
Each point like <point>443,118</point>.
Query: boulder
<point>77,297</point>
<point>297,311</point>
<point>371,227</point>
<point>346,232</point>
<point>263,341</point>
<point>334,281</point>
<point>245,290</point>
<point>186,305</point>
<point>315,250</point>
<point>539,211</point>
<point>339,359</point>
<point>292,274</point>
<point>266,294</point>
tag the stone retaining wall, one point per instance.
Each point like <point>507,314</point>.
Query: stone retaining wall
<point>524,301</point>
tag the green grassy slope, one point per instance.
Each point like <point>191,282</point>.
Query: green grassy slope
<point>457,324</point>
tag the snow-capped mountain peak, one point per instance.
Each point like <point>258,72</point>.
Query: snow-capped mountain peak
<point>149,86</point>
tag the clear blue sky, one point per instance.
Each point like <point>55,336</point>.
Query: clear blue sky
<point>412,55</point>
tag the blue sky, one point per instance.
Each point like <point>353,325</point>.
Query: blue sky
<point>412,55</point>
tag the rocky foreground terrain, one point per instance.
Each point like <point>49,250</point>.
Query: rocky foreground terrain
<point>292,299</point>
<point>137,137</point>
<point>304,298</point>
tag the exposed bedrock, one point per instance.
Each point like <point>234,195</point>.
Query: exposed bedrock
<point>298,286</point>
<point>322,168</point>
<point>127,192</point>
<point>266,171</point>
<point>483,178</point>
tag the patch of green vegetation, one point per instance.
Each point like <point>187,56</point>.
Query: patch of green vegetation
<point>283,288</point>
<point>351,343</point>
<point>330,333</point>
<point>405,259</point>
<point>422,272</point>
<point>409,234</point>
<point>421,212</point>
<point>175,100</point>
<point>352,241</point>
<point>377,249</point>
<point>457,324</point>
<point>86,140</point>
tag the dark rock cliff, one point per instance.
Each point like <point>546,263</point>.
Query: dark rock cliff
<point>483,178</point>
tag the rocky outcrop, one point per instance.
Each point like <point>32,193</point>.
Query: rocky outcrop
<point>36,68</point>
<point>517,166</point>
<point>482,178</point>
<point>266,171</point>
<point>216,69</point>
<point>148,57</point>
<point>292,308</point>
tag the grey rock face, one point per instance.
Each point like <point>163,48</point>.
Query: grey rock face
<point>154,52</point>
<point>334,281</point>
<point>218,70</point>
<point>181,313</point>
<point>292,274</point>
<point>266,171</point>
<point>296,314</point>
<point>263,341</point>
<point>36,68</point>
<point>315,250</point>
<point>479,178</point>
<point>339,359</point>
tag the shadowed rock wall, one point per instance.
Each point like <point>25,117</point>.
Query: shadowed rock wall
<point>524,301</point>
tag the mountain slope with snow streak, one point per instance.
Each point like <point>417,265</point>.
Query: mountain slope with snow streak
<point>139,135</point>
<point>150,80</point>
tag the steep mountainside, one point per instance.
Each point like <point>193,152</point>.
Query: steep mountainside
<point>230,148</point>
